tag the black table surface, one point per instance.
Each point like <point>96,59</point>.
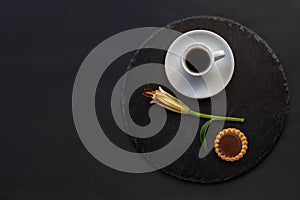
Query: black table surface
<point>42,46</point>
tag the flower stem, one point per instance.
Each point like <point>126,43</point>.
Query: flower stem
<point>206,116</point>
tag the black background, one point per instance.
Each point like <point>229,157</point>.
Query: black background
<point>42,46</point>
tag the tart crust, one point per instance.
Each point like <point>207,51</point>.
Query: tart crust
<point>240,135</point>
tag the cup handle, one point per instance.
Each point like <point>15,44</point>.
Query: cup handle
<point>219,54</point>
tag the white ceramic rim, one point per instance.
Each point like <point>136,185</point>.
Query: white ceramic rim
<point>202,47</point>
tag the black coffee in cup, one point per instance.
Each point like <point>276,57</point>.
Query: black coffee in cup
<point>197,60</point>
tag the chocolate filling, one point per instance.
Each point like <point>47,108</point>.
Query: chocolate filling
<point>230,145</point>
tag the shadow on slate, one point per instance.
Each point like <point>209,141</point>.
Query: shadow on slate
<point>257,91</point>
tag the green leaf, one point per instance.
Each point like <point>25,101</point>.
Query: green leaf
<point>203,132</point>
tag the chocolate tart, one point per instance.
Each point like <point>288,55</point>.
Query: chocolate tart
<point>231,144</point>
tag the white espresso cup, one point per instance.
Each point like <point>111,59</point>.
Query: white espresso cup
<point>198,59</point>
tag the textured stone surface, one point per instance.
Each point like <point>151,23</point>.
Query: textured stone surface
<point>257,91</point>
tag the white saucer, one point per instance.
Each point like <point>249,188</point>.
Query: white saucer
<point>212,82</point>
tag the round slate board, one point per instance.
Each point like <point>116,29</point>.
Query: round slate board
<point>258,92</point>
